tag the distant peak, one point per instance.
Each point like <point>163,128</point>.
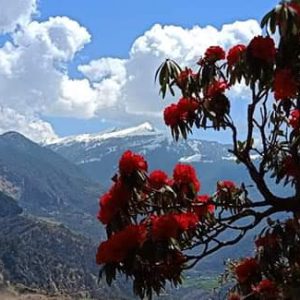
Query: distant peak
<point>17,139</point>
<point>145,128</point>
<point>13,135</point>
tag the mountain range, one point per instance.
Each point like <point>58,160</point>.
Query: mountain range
<point>49,198</point>
<point>97,155</point>
<point>38,255</point>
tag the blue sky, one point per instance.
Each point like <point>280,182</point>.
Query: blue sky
<point>68,93</point>
<point>115,24</point>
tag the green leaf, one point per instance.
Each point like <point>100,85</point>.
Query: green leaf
<point>171,90</point>
<point>266,18</point>
<point>163,75</point>
<point>158,71</point>
<point>273,23</point>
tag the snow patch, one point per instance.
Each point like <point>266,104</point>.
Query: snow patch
<point>252,156</point>
<point>193,158</point>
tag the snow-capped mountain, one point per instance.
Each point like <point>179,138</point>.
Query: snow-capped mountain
<point>143,129</point>
<point>144,139</point>
<point>98,154</point>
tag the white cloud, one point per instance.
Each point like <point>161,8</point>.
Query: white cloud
<point>60,37</point>
<point>76,99</point>
<point>108,77</point>
<point>137,93</point>
<point>14,13</point>
<point>183,45</point>
<point>29,126</point>
<point>103,68</point>
<point>33,76</point>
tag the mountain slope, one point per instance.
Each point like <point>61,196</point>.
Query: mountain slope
<point>44,257</point>
<point>47,185</point>
<point>8,206</point>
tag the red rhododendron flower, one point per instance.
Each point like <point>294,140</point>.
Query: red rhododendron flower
<point>186,221</point>
<point>246,269</point>
<point>216,88</point>
<point>187,106</point>
<point>285,85</point>
<point>204,209</point>
<point>262,48</point>
<point>107,208</point>
<point>113,201</point>
<point>183,110</point>
<point>294,119</point>
<point>164,227</point>
<point>226,186</point>
<point>172,115</point>
<point>120,244</point>
<point>183,77</point>
<point>214,53</point>
<point>270,240</point>
<point>158,179</point>
<point>234,54</point>
<point>290,167</point>
<point>171,225</point>
<point>131,162</point>
<point>185,175</point>
<point>267,289</point>
<point>295,7</point>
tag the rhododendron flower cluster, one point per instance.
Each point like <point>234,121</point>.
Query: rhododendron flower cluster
<point>263,49</point>
<point>227,186</point>
<point>247,269</point>
<point>235,54</point>
<point>119,245</point>
<point>182,111</point>
<point>185,176</point>
<point>285,85</point>
<point>290,167</point>
<point>171,225</point>
<point>294,119</point>
<point>267,289</point>
<point>147,213</point>
<point>274,272</point>
<point>214,53</point>
<point>158,179</point>
<point>216,88</point>
<point>131,162</point>
<point>269,240</point>
<point>202,207</point>
<point>172,115</point>
<point>183,77</point>
<point>295,7</point>
<point>113,201</point>
<point>187,106</point>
